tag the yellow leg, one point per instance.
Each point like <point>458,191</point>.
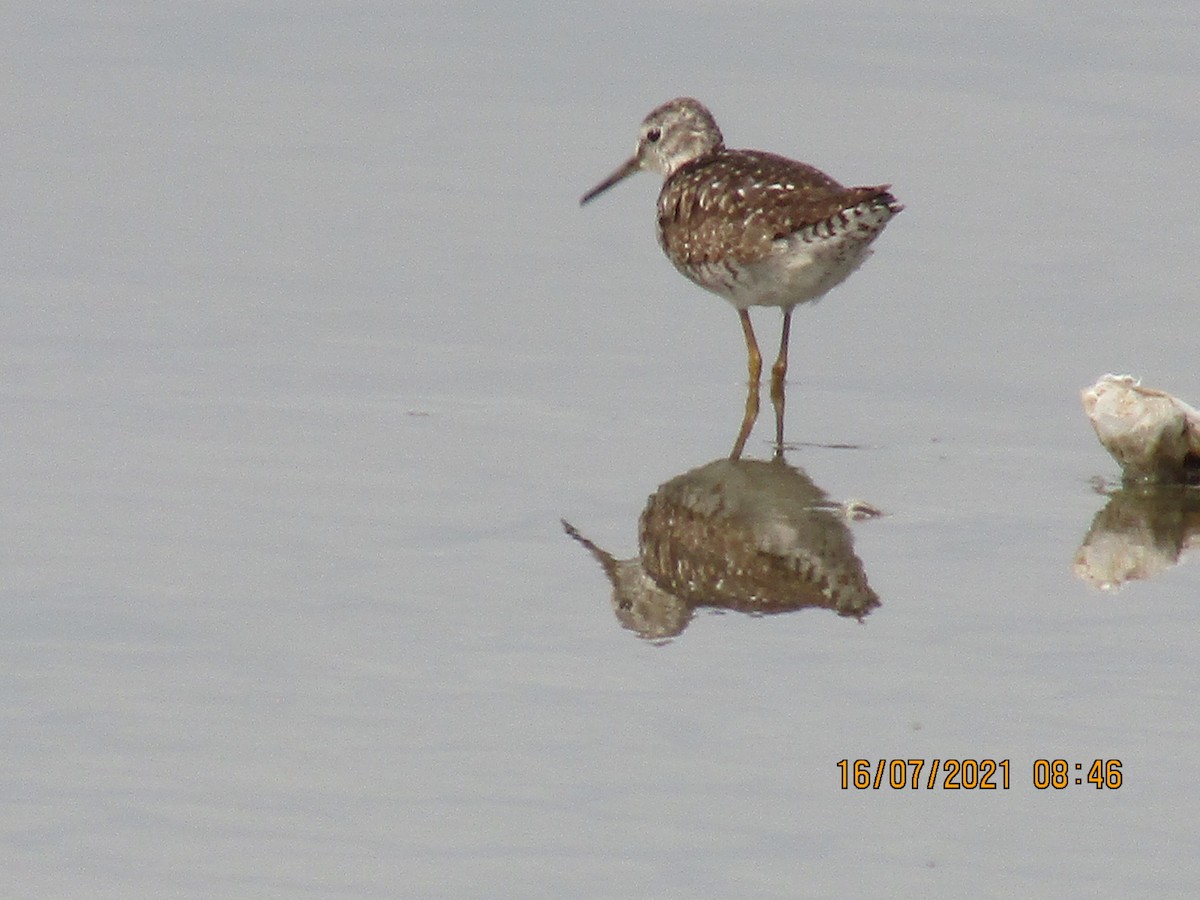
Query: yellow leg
<point>753,357</point>
<point>778,374</point>
<point>779,370</point>
<point>777,400</point>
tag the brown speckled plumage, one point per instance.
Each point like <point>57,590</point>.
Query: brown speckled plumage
<point>734,206</point>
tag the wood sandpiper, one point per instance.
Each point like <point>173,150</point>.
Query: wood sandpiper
<point>756,228</point>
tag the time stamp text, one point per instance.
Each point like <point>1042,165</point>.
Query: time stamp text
<point>975,774</point>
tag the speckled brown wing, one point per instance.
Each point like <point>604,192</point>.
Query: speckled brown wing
<point>734,206</point>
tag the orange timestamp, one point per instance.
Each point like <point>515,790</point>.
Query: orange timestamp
<point>1057,774</point>
<point>973,774</point>
<point>930,774</point>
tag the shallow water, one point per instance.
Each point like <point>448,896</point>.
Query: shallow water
<point>308,349</point>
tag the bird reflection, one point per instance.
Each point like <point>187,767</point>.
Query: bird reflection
<point>754,536</point>
<point>1141,532</point>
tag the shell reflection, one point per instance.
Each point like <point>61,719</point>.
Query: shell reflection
<point>1141,532</point>
<point>748,535</point>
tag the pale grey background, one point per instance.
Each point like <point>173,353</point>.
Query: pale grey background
<point>307,347</point>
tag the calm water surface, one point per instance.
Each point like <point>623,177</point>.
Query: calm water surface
<point>308,349</point>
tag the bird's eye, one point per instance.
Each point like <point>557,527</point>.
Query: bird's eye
<point>653,135</point>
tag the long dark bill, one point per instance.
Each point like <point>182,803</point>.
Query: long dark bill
<point>627,168</point>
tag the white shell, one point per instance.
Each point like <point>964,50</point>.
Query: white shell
<point>1149,432</point>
